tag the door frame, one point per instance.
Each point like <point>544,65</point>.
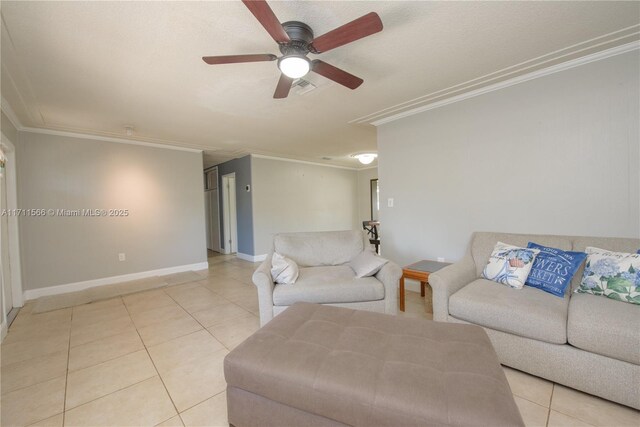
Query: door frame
<point>17,298</point>
<point>230,228</point>
<point>14,228</point>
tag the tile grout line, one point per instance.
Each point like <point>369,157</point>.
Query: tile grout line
<point>553,387</point>
<point>153,363</point>
<point>198,322</point>
<point>108,394</point>
<point>531,401</point>
<point>106,336</point>
<point>66,377</point>
<point>579,419</point>
<point>214,292</point>
<point>210,397</point>
<point>572,416</point>
<point>230,302</point>
<point>106,360</point>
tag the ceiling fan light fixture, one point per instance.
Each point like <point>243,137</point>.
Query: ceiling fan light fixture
<point>365,158</point>
<point>294,66</point>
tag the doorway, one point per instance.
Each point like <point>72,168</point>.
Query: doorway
<point>229,219</point>
<point>212,209</point>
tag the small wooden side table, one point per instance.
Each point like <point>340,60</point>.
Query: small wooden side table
<point>419,271</point>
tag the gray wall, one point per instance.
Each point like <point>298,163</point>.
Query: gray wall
<point>244,206</point>
<point>162,189</point>
<point>557,155</point>
<point>292,196</point>
<point>8,129</point>
<point>364,192</point>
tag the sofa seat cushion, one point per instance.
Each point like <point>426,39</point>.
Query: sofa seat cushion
<point>605,327</point>
<point>329,285</point>
<point>527,312</point>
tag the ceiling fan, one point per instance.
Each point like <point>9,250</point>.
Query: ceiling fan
<point>296,40</point>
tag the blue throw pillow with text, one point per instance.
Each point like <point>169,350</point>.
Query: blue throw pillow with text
<point>553,269</point>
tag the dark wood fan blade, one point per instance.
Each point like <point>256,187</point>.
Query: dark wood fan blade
<point>233,59</point>
<point>268,19</point>
<point>336,74</point>
<point>284,86</point>
<point>354,30</point>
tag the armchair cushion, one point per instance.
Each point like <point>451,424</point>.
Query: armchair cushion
<point>527,312</point>
<point>320,248</point>
<point>329,285</point>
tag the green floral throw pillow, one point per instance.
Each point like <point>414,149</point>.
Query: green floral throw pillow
<point>615,275</point>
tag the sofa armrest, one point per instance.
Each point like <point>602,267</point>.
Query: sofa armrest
<point>263,281</point>
<point>389,275</point>
<point>448,281</point>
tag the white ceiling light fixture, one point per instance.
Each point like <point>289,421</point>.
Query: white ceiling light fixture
<point>294,66</point>
<point>365,158</point>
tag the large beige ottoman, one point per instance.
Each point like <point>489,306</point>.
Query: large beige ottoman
<point>317,365</point>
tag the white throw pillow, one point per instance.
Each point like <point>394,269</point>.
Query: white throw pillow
<point>367,263</point>
<point>510,265</point>
<point>283,269</point>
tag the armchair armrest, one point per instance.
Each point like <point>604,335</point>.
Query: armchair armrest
<point>389,275</point>
<point>448,281</point>
<point>263,281</point>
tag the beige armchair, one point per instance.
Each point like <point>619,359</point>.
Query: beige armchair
<point>325,277</point>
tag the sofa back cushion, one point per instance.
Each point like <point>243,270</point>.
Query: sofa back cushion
<point>614,244</point>
<point>311,249</point>
<point>482,244</point>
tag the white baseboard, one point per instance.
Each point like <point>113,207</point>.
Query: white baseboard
<point>79,286</point>
<point>251,258</point>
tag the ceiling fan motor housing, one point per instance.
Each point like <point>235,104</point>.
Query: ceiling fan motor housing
<point>301,36</point>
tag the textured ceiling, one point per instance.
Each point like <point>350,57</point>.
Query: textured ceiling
<point>95,67</point>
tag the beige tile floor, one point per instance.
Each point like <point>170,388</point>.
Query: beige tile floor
<point>155,358</point>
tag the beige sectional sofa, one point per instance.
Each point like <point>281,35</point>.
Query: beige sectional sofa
<point>587,342</point>
<point>325,277</point>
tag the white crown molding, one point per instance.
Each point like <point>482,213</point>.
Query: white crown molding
<point>368,167</point>
<point>11,115</point>
<point>306,162</point>
<point>80,286</point>
<point>628,33</point>
<point>109,139</point>
<point>618,50</point>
